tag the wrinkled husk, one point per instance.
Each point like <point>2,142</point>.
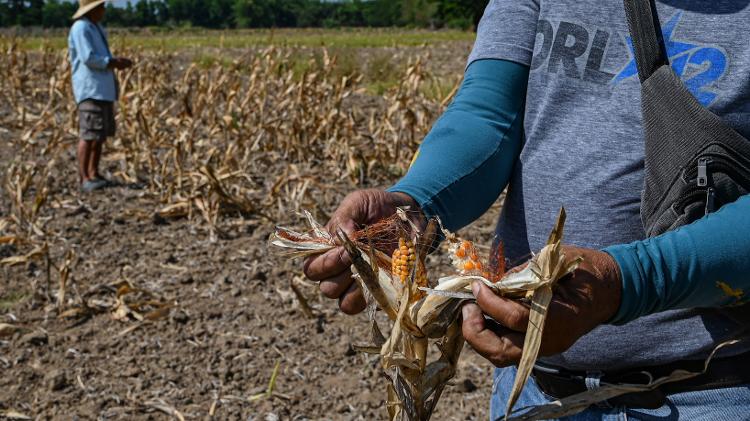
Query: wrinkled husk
<point>416,384</point>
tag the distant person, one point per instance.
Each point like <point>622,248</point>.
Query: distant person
<point>94,87</point>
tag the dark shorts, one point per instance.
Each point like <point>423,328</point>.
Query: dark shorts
<point>96,120</point>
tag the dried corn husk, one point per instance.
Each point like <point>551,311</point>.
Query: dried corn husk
<point>535,280</point>
<point>7,330</point>
<point>419,321</point>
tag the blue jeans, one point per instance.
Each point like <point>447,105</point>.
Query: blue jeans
<point>728,404</point>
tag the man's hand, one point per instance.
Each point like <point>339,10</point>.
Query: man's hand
<point>332,269</point>
<point>120,63</point>
<point>582,301</point>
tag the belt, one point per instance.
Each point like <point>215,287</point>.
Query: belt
<point>725,372</point>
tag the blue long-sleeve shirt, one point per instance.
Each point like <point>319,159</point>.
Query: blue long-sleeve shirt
<point>466,160</point>
<point>704,264</point>
<point>89,58</point>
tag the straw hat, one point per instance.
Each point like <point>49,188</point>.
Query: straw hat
<point>86,6</point>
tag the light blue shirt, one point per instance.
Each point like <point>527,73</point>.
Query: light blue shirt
<point>89,58</point>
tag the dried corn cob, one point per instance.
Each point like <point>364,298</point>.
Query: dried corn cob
<point>404,259</point>
<point>466,259</point>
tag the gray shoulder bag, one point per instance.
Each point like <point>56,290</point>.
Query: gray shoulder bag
<point>695,163</point>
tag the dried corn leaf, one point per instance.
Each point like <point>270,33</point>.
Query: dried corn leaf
<point>551,266</point>
<point>14,415</point>
<point>7,330</point>
<point>64,272</point>
<point>318,229</point>
<point>385,297</point>
<point>132,328</point>
<point>158,313</point>
<point>76,312</point>
<point>9,239</point>
<point>162,406</point>
<point>532,342</point>
<point>23,259</point>
<point>175,210</point>
<point>298,244</point>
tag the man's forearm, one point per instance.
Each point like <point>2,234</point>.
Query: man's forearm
<point>466,160</point>
<point>704,264</point>
<point>96,61</point>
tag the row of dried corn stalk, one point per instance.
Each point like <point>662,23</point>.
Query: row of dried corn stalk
<point>254,138</point>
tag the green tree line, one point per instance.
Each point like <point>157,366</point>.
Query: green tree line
<point>255,13</point>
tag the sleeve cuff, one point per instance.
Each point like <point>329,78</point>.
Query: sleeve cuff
<point>632,283</point>
<point>424,201</point>
<point>505,52</point>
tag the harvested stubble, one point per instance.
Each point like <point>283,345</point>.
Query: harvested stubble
<point>251,139</point>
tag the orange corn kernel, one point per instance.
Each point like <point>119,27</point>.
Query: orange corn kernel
<point>460,253</point>
<point>403,260</point>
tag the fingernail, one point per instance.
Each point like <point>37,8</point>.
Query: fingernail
<point>465,312</point>
<point>475,288</point>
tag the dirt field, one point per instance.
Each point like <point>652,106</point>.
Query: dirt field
<point>159,298</point>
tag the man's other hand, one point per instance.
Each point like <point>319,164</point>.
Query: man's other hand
<point>120,63</point>
<point>582,301</point>
<point>332,269</point>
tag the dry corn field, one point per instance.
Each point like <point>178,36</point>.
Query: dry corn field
<point>158,298</point>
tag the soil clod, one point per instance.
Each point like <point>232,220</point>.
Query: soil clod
<point>56,380</point>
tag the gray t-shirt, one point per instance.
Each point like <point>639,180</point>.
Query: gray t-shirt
<point>584,141</point>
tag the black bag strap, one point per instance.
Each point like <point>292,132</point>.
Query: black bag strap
<point>645,32</point>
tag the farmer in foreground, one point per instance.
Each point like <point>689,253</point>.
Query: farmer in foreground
<point>94,88</point>
<point>550,108</point>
